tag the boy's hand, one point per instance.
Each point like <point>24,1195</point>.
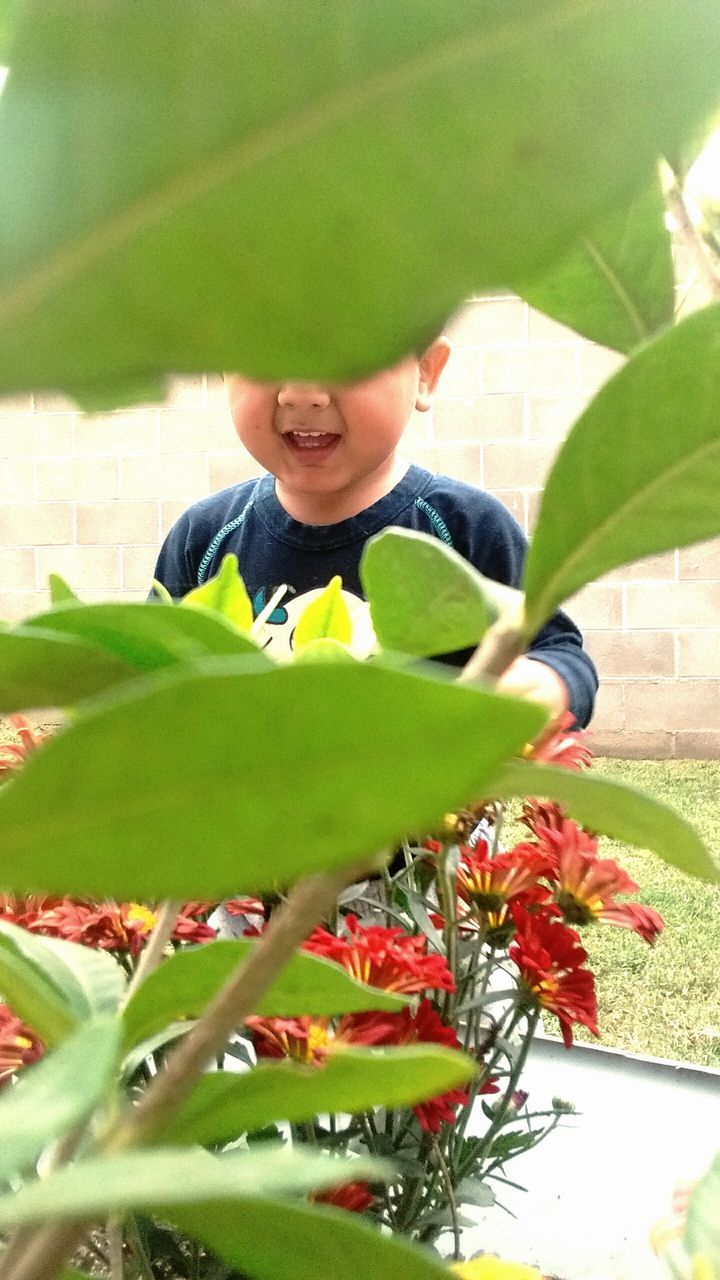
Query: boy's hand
<point>528,678</point>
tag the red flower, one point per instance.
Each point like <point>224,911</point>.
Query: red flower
<point>111,926</point>
<point>564,836</point>
<point>19,1046</point>
<point>543,813</point>
<point>561,745</point>
<point>386,958</point>
<point>424,1026</point>
<point>310,1040</point>
<point>24,911</point>
<point>14,754</point>
<point>549,958</point>
<point>355,1197</point>
<point>188,928</point>
<point>305,1040</point>
<point>587,886</point>
<point>490,884</point>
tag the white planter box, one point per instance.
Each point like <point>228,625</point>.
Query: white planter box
<point>600,1181</point>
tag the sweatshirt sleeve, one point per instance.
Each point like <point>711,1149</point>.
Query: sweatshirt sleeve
<point>497,546</point>
<point>173,568</point>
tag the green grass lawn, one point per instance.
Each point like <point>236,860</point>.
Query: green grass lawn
<point>664,1000</point>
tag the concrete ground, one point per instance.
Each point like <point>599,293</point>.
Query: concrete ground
<point>597,1185</point>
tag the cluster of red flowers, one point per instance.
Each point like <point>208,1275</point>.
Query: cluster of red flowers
<point>526,898</point>
<point>529,895</point>
<point>107,926</point>
<point>393,961</point>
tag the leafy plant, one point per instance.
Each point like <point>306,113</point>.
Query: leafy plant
<point>156,215</point>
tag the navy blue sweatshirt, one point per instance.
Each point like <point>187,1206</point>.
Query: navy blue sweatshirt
<point>275,550</point>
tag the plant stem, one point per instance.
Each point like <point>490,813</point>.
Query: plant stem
<point>138,1248</point>
<point>502,643</point>
<point>501,1113</point>
<point>115,1245</point>
<point>450,1197</point>
<point>152,952</point>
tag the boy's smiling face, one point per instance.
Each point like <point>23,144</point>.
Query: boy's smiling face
<point>333,449</point>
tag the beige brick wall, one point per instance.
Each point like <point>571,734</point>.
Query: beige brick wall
<point>91,498</point>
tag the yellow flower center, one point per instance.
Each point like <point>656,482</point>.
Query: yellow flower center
<point>141,914</point>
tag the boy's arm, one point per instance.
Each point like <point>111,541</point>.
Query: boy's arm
<point>172,568</point>
<point>556,669</point>
<point>528,678</point>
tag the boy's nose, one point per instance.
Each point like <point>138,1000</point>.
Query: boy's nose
<point>303,395</point>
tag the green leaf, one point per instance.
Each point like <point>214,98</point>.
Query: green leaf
<point>137,1055</point>
<point>224,594</point>
<point>188,980</point>
<point>150,636</point>
<point>100,977</point>
<point>616,285</point>
<point>8,12</point>
<point>162,592</point>
<point>193,173</point>
<point>55,1094</point>
<point>702,1225</point>
<point>225,1105</point>
<point>323,651</point>
<point>272,1240</point>
<point>347,781</point>
<point>613,809</point>
<point>55,985</point>
<point>325,618</point>
<point>42,669</point>
<point>60,592</point>
<point>39,991</point>
<point>149,1180</point>
<point>639,472</point>
<point>424,598</point>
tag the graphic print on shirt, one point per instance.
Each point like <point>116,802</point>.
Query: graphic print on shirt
<point>277,634</point>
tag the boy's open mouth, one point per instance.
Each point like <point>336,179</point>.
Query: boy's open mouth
<point>312,443</point>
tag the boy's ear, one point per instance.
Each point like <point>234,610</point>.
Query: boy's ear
<point>432,362</point>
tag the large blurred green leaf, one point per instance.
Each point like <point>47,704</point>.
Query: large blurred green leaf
<point>424,598</point>
<point>55,1094</point>
<point>225,1104</point>
<point>156,210</point>
<point>147,1180</point>
<point>54,985</point>
<point>207,783</point>
<point>148,636</point>
<point>616,285</point>
<point>275,1241</point>
<point>702,1227</point>
<point>639,472</point>
<point>613,809</point>
<point>184,985</point>
<point>52,670</point>
<point>8,10</point>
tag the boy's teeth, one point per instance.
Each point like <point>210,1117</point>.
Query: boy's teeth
<point>311,439</point>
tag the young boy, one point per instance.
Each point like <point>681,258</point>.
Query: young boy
<point>335,479</point>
